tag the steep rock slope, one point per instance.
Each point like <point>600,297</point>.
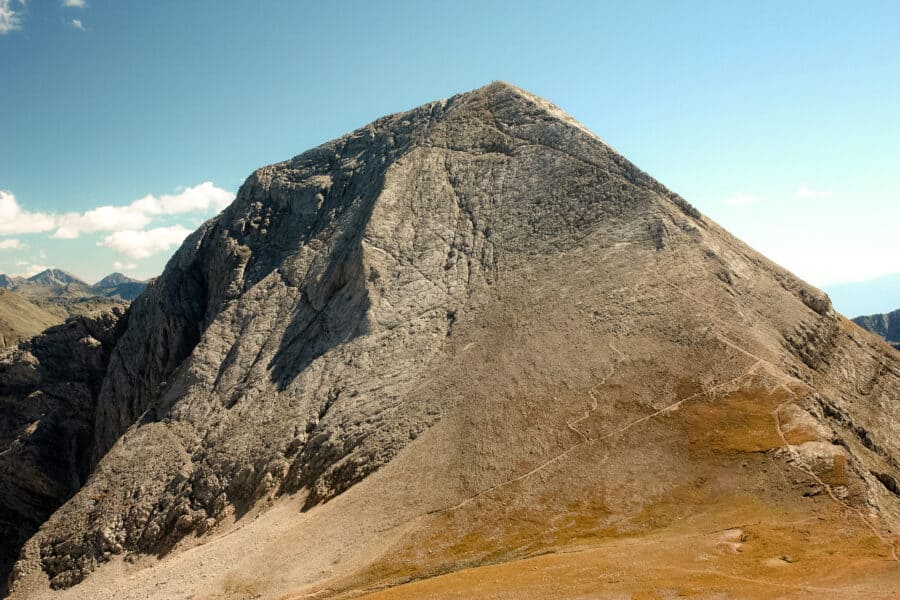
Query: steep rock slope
<point>482,336</point>
<point>886,325</point>
<point>48,389</point>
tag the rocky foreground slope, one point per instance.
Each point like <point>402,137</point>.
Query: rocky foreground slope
<point>467,350</point>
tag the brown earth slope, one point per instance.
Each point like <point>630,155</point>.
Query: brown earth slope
<point>471,351</point>
<point>21,319</point>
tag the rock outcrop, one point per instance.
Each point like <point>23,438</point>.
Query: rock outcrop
<point>478,329</point>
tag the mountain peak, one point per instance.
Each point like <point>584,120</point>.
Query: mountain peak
<point>498,89</point>
<point>457,328</point>
<point>506,99</point>
<point>117,284</point>
<point>54,276</point>
<point>114,279</point>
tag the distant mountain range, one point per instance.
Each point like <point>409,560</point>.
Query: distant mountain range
<point>29,305</point>
<point>58,283</point>
<point>887,325</point>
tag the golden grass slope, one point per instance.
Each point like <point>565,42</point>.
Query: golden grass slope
<point>21,319</point>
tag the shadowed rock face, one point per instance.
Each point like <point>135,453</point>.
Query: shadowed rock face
<point>48,391</point>
<point>301,339</point>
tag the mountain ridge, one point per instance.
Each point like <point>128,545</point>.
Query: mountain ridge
<point>58,283</point>
<point>54,277</point>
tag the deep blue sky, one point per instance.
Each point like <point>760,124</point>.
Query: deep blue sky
<point>781,120</point>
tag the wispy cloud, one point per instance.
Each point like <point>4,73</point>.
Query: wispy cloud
<point>74,3</point>
<point>807,193</point>
<point>741,199</point>
<point>15,220</point>
<point>10,16</point>
<point>29,269</point>
<point>143,244</point>
<point>10,244</point>
<point>77,24</point>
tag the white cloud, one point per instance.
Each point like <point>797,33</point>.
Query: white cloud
<point>10,18</point>
<point>77,24</point>
<point>30,270</point>
<point>137,215</point>
<point>202,197</point>
<point>742,200</point>
<point>811,194</point>
<point>74,3</point>
<point>10,244</point>
<point>102,218</point>
<point>14,220</point>
<point>142,244</point>
<point>120,266</point>
<point>129,236</point>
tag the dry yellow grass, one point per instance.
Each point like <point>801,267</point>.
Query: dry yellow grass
<point>743,525</point>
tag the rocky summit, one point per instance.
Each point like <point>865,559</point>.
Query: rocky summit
<point>468,350</point>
